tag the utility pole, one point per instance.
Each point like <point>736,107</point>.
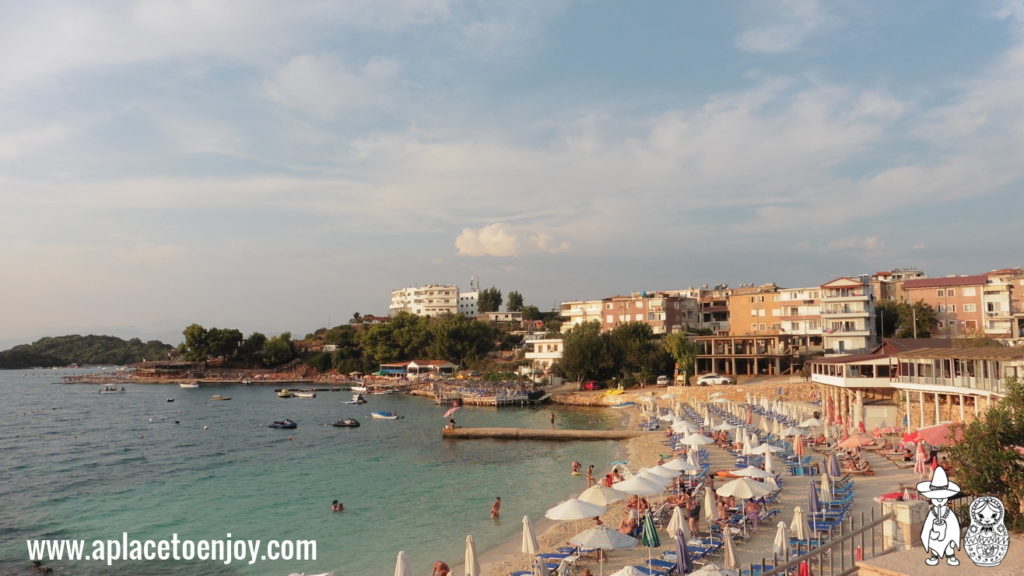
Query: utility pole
<point>913,314</point>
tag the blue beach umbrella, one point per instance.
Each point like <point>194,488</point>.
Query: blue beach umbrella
<point>683,563</point>
<point>813,503</point>
<point>833,465</point>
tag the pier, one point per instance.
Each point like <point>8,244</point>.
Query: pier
<point>540,434</point>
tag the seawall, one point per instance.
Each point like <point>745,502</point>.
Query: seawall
<point>541,434</point>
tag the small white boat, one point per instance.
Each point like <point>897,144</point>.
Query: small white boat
<point>359,389</point>
<point>304,394</point>
<point>220,397</point>
<point>189,384</point>
<point>357,398</point>
<point>385,415</point>
<point>285,393</point>
<point>111,389</point>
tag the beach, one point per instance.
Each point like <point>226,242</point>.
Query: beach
<point>645,450</point>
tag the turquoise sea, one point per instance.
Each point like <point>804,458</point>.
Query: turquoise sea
<point>75,464</point>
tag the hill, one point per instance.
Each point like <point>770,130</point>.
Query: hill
<point>74,349</point>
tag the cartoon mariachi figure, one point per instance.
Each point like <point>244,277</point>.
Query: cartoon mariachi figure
<point>941,531</point>
<point>986,541</point>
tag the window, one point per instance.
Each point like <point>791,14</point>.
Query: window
<point>969,291</point>
<point>939,293</point>
<point>950,292</point>
<point>760,327</point>
<point>952,307</point>
<point>970,307</point>
<point>753,312</point>
<point>794,326</point>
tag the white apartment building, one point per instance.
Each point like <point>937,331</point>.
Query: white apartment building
<point>580,312</point>
<point>469,303</point>
<point>543,352</point>
<point>800,311</point>
<point>847,315</point>
<point>429,300</point>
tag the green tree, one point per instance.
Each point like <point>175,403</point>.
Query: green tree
<point>460,340</point>
<point>515,301</point>
<point>223,342</point>
<point>989,451</point>
<point>357,318</point>
<point>919,315</point>
<point>405,337</point>
<point>683,351</point>
<point>195,347</point>
<point>887,317</point>
<point>278,350</point>
<point>530,312</point>
<point>251,348</point>
<point>587,353</point>
<point>490,300</point>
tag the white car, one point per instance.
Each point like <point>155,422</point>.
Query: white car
<point>713,379</point>
<point>662,380</point>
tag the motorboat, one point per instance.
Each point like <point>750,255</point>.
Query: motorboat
<point>111,389</point>
<point>357,398</point>
<point>359,389</point>
<point>304,394</point>
<point>285,393</point>
<point>220,397</point>
<point>385,415</point>
<point>285,424</point>
<point>346,423</point>
<point>189,384</point>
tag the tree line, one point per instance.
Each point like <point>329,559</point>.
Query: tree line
<point>630,353</point>
<point>54,351</point>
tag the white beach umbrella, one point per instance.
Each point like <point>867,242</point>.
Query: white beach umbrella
<point>684,427</point>
<point>780,547</point>
<point>402,565</point>
<point>724,427</point>
<point>472,565</point>
<point>729,556</point>
<point>604,538</point>
<point>695,439</point>
<point>574,509</point>
<point>601,495</point>
<point>791,431</point>
<point>799,524</point>
<point>743,488</point>
<point>640,486</point>
<point>765,449</point>
<point>680,464</point>
<point>663,471</point>
<point>710,510</point>
<point>811,423</point>
<point>630,570</point>
<point>750,472</point>
<point>710,569</point>
<point>529,539</point>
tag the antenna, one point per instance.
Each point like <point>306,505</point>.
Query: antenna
<point>474,283</point>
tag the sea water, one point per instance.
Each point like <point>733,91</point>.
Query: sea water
<point>75,464</point>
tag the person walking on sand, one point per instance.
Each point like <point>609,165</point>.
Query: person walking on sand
<point>590,476</point>
<point>552,419</point>
<point>496,508</point>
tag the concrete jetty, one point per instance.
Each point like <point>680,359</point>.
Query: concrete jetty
<point>541,434</point>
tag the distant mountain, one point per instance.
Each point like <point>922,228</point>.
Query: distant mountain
<point>75,349</point>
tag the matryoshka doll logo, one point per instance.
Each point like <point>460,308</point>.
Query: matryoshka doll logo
<point>987,540</point>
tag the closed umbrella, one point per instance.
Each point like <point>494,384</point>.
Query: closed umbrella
<point>677,522</point>
<point>826,488</point>
<point>529,539</point>
<point>574,509</point>
<point>402,565</point>
<point>649,534</point>
<point>920,461</point>
<point>833,465</point>
<point>813,503</point>
<point>769,464</point>
<point>780,546</point>
<point>799,524</point>
<point>710,511</point>
<point>729,557</point>
<point>472,566</point>
<point>538,567</point>
<point>683,563</point>
<point>601,495</point>
<point>798,445</point>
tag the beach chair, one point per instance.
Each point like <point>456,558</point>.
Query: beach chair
<point>650,570</point>
<point>668,566</point>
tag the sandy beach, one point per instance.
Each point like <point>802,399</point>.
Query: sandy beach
<point>644,451</point>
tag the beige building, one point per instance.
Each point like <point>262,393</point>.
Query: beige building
<point>755,310</point>
<point>847,315</point>
<point>662,312</point>
<point>965,306</point>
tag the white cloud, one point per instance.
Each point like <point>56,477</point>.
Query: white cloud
<point>504,241</point>
<point>856,243</point>
<point>779,26</point>
<point>323,85</point>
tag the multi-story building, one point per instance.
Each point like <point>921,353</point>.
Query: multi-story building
<point>543,352</point>
<point>469,303</point>
<point>429,300</point>
<point>888,285</point>
<point>847,315</point>
<point>980,304</point>
<point>663,313</point>
<point>755,310</point>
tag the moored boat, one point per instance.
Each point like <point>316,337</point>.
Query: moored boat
<point>111,389</point>
<point>285,424</point>
<point>285,393</point>
<point>188,384</point>
<point>220,397</point>
<point>357,398</point>
<point>304,394</point>
<point>346,423</point>
<point>385,415</point>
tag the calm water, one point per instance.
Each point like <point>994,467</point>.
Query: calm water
<point>82,465</point>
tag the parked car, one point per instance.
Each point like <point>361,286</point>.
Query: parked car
<point>662,380</point>
<point>711,379</point>
<point>592,385</point>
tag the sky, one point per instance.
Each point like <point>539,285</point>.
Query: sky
<point>278,166</point>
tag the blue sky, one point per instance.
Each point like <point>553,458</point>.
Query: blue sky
<point>277,166</point>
